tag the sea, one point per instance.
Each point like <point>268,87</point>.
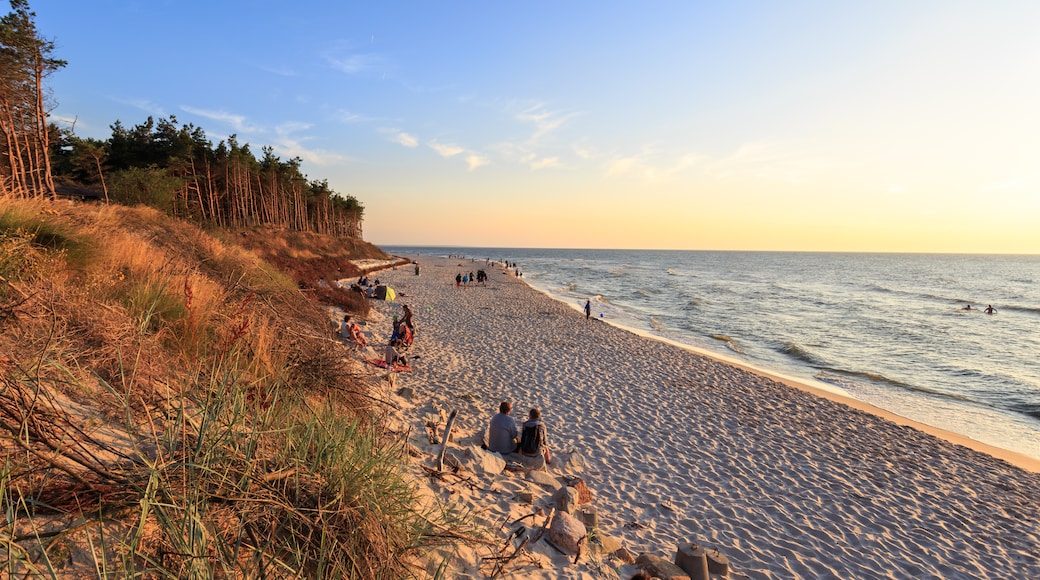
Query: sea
<point>891,330</point>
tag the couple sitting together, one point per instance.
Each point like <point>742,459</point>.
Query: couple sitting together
<point>530,446</point>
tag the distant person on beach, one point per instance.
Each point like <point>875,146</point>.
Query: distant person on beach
<point>534,442</point>
<point>990,309</point>
<point>588,309</point>
<point>458,279</point>
<point>502,435</point>
<point>344,327</point>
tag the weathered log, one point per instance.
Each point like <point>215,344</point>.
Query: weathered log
<point>444,442</point>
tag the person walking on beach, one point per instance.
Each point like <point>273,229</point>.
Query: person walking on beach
<point>458,279</point>
<point>502,435</point>
<point>406,319</point>
<point>588,309</point>
<point>534,441</point>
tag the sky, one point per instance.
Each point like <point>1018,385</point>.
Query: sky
<point>880,126</point>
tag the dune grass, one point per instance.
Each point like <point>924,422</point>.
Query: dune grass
<point>170,407</point>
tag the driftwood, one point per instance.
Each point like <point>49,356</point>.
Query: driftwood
<point>464,479</point>
<point>444,442</point>
<point>502,562</point>
<point>545,525</point>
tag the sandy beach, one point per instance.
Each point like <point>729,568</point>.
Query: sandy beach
<point>679,447</point>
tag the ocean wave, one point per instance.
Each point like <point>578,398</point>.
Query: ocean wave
<point>801,353</point>
<point>729,342</point>
<point>691,304</point>
<point>879,288</point>
<point>569,287</point>
<point>656,324</point>
<point>671,272</point>
<point>1029,409</point>
<point>1016,308</point>
<point>850,378</point>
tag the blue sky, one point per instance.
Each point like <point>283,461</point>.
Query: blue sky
<point>845,126</point>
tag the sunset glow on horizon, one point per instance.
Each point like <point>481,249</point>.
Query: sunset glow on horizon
<point>804,126</point>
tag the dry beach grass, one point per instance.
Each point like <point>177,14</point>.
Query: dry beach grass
<point>171,406</point>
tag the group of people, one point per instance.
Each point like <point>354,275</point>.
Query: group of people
<point>464,279</point>
<point>529,445</point>
<point>401,337</point>
<point>988,310</point>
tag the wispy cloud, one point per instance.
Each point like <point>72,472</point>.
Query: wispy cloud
<point>288,143</point>
<point>401,138</point>
<point>473,161</point>
<point>449,150</point>
<point>145,105</point>
<point>239,123</point>
<point>345,116</point>
<point>535,151</point>
<point>344,58</point>
<point>771,161</point>
<point>759,160</point>
<point>651,165</point>
<point>282,71</point>
<point>445,149</point>
<point>544,120</point>
<point>545,163</point>
<point>584,152</point>
<point>627,165</point>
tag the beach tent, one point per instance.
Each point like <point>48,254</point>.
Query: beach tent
<point>385,293</point>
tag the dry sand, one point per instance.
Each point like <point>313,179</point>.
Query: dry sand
<point>682,447</point>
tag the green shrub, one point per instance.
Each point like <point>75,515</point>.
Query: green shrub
<point>149,186</point>
<point>153,306</point>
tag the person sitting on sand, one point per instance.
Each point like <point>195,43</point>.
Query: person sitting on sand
<point>502,435</point>
<point>990,309</point>
<point>534,442</point>
<point>357,336</point>
<point>392,356</point>
<point>344,327</point>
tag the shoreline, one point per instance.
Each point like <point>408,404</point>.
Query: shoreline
<point>1015,458</point>
<point>679,446</point>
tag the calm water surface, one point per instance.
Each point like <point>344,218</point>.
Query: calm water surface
<point>888,329</point>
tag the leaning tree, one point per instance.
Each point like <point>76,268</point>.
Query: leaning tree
<point>25,62</point>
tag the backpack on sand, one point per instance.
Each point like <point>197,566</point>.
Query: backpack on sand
<point>529,439</point>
